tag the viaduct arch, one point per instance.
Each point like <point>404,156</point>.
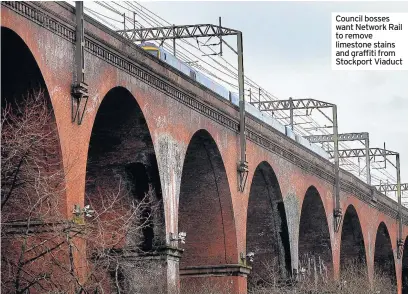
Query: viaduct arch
<point>205,211</point>
<point>314,235</point>
<point>384,263</point>
<point>267,230</point>
<point>353,257</point>
<point>122,182</point>
<point>33,183</point>
<point>23,83</point>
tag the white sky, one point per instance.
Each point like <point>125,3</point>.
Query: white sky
<point>287,51</point>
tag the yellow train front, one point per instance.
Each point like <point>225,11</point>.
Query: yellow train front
<point>151,48</point>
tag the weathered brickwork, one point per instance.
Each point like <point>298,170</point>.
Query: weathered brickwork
<point>185,140</point>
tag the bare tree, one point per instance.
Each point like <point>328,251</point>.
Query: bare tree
<point>115,240</point>
<point>315,278</point>
<point>32,194</point>
<point>43,250</point>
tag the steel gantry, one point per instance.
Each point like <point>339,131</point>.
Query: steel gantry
<point>310,104</point>
<point>363,137</point>
<point>178,32</point>
<point>384,188</point>
<point>375,152</point>
<point>198,31</point>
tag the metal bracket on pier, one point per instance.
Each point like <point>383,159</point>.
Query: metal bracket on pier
<point>338,217</point>
<point>79,100</point>
<point>79,90</point>
<point>400,248</point>
<point>242,175</point>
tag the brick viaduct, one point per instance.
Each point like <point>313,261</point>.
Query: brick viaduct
<point>146,117</point>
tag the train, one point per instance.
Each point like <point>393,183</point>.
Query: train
<point>165,56</point>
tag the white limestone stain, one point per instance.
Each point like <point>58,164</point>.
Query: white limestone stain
<point>292,208</point>
<point>93,103</point>
<point>161,121</point>
<point>56,91</point>
<point>195,118</point>
<point>370,248</point>
<point>170,158</point>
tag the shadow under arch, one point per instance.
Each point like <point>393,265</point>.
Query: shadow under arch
<point>122,175</point>
<point>352,249</point>
<point>20,71</point>
<point>384,263</point>
<point>267,229</point>
<point>22,82</point>
<point>205,205</point>
<point>314,235</point>
<point>404,271</point>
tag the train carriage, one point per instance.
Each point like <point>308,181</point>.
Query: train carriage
<point>174,62</point>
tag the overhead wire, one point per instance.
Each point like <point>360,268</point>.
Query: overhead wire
<point>200,59</point>
<point>248,81</point>
<point>102,15</point>
<point>156,23</point>
<point>226,70</point>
